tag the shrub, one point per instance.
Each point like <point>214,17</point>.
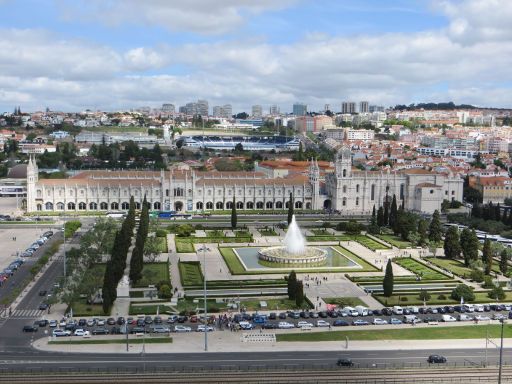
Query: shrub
<point>165,292</point>
<point>488,283</point>
<point>341,226</point>
<point>161,233</point>
<point>184,230</point>
<point>404,298</point>
<point>477,275</point>
<point>497,293</point>
<point>441,297</point>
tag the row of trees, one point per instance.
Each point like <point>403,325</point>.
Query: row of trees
<point>117,263</point>
<point>295,289</point>
<point>137,260</point>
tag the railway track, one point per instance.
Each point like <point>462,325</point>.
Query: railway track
<point>342,376</point>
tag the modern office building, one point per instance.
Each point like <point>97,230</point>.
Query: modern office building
<point>257,111</point>
<point>300,109</point>
<point>364,107</point>
<point>348,107</point>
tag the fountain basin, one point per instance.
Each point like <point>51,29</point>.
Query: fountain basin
<point>280,254</point>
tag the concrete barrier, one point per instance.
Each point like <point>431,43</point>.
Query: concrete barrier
<point>258,338</point>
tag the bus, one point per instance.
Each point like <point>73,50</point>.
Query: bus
<point>169,215</point>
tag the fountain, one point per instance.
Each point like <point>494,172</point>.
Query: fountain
<point>294,250</point>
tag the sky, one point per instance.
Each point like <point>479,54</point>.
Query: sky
<point>72,55</point>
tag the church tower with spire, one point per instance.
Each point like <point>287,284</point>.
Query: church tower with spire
<point>314,180</point>
<point>32,178</point>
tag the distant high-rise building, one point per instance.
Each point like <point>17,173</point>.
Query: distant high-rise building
<point>376,108</point>
<point>274,110</point>
<point>191,109</point>
<point>327,107</point>
<point>217,111</point>
<point>300,109</point>
<point>257,111</point>
<point>168,108</point>
<point>183,110</point>
<point>364,107</point>
<point>227,111</point>
<point>348,107</point>
<point>202,107</point>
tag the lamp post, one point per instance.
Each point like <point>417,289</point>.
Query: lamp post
<point>204,249</point>
<point>502,321</point>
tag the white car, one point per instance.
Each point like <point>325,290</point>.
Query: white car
<point>482,318</point>
<point>81,332</point>
<point>202,328</point>
<point>91,322</point>
<point>301,324</point>
<point>378,321</point>
<point>182,328</point>
<point>62,323</point>
<point>322,323</point>
<point>53,324</point>
<point>245,325</point>
<point>60,332</point>
<point>285,325</point>
<point>100,322</point>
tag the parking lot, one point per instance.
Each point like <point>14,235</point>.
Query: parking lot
<point>11,248</point>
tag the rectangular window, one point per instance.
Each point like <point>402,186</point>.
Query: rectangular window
<point>372,194</point>
<point>402,191</point>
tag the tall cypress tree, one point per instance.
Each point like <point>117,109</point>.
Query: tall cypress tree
<point>393,213</point>
<point>292,285</point>
<point>374,216</point>
<point>388,282</point>
<point>299,293</point>
<point>386,211</point>
<point>233,215</point>
<point>380,217</point>
<point>452,243</point>
<point>497,212</point>
<point>435,232</point>
<point>487,257</point>
<point>504,262</point>
<point>290,209</point>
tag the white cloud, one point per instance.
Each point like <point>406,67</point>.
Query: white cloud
<point>199,16</point>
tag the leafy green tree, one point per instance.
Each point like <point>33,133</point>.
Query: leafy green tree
<point>233,215</point>
<point>469,245</point>
<point>165,292</point>
<point>462,291</point>
<point>291,284</point>
<point>424,295</point>
<point>487,257</point>
<point>406,222</point>
<point>422,232</point>
<point>452,243</point>
<point>497,293</point>
<point>445,205</point>
<point>388,282</point>
<point>290,209</point>
<point>435,233</point>
<point>504,262</point>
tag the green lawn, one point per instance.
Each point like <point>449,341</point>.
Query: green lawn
<point>187,305</point>
<point>395,241</point>
<point>369,243</point>
<point>148,340</point>
<point>419,268</point>
<point>454,266</point>
<point>320,232</point>
<point>190,273</point>
<point>267,232</point>
<point>162,244</point>
<point>367,267</point>
<point>184,246</point>
<point>152,274</point>
<point>329,238</point>
<point>345,301</point>
<point>80,307</point>
<point>418,333</point>
<point>272,304</point>
<point>234,265</point>
<point>148,309</point>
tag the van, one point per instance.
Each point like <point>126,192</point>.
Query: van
<point>479,307</point>
<point>463,317</point>
<point>469,307</point>
<point>448,318</point>
<point>350,311</point>
<point>410,319</point>
<point>414,310</point>
<point>397,310</point>
<point>362,311</point>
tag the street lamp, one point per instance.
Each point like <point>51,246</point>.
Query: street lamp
<point>204,249</point>
<point>502,321</point>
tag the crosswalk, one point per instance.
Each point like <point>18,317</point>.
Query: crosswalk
<point>27,314</point>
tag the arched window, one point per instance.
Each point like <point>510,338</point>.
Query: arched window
<point>39,193</point>
<point>344,173</point>
<point>239,205</point>
<point>209,205</point>
<point>269,205</point>
<point>308,205</point>
<point>125,205</point>
<point>259,205</point>
<point>71,206</point>
<point>279,205</point>
<point>219,205</point>
<point>199,205</point>
<point>229,205</point>
<point>114,205</point>
<point>157,205</point>
<point>103,206</point>
<point>137,205</point>
<point>298,204</point>
<point>39,207</point>
<point>82,206</point>
<point>344,189</point>
<point>250,205</point>
<point>344,202</point>
<point>48,206</point>
<point>357,200</point>
<point>357,188</point>
<point>93,206</point>
<point>60,206</point>
<point>287,204</point>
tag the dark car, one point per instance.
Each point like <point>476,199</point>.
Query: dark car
<point>182,319</point>
<point>449,309</point>
<point>282,315</point>
<point>441,310</point>
<point>115,331</point>
<point>82,322</point>
<point>304,315</point>
<point>137,330</point>
<point>272,316</point>
<point>387,311</point>
<point>332,314</point>
<point>111,321</point>
<point>100,331</point>
<point>43,323</point>
<point>269,326</point>
<point>322,314</point>
<point>436,359</point>
<point>148,320</point>
<point>141,323</point>
<point>30,328</point>
<point>422,310</point>
<point>120,320</point>
<point>43,306</point>
<point>42,292</point>
<point>70,327</point>
<point>157,320</point>
<point>377,312</point>
<point>340,323</point>
<point>344,362</point>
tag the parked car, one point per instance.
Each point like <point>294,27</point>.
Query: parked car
<point>137,330</point>
<point>245,325</point>
<point>360,322</point>
<point>100,331</point>
<point>203,328</point>
<point>81,332</point>
<point>269,326</point>
<point>285,325</point>
<point>172,319</point>
<point>436,359</point>
<point>182,328</point>
<point>340,323</point>
<point>61,333</point>
<point>120,320</point>
<point>111,321</point>
<point>395,321</point>
<point>30,328</point>
<point>322,323</point>
<point>43,306</point>
<point>159,329</point>
<point>301,324</point>
<point>378,321</point>
<point>53,323</point>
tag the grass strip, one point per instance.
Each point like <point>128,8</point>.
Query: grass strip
<point>418,333</point>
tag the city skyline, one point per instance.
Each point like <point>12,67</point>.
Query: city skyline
<point>72,56</point>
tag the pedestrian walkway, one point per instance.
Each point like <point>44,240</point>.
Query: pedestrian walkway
<point>27,314</point>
